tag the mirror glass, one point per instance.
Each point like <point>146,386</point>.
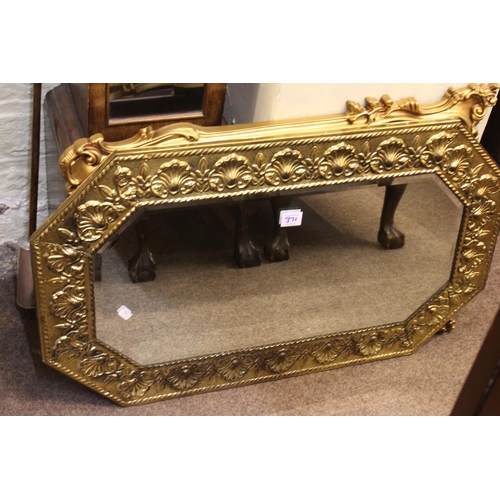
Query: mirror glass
<point>136,100</point>
<point>338,277</point>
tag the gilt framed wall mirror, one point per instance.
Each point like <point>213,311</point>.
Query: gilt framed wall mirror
<point>189,259</point>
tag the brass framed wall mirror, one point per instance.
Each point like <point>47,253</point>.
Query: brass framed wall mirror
<point>333,295</point>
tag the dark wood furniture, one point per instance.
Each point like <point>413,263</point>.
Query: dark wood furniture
<point>490,139</point>
<point>118,111</point>
<point>480,395</point>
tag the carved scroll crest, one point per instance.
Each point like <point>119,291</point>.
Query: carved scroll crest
<point>79,160</point>
<point>469,103</point>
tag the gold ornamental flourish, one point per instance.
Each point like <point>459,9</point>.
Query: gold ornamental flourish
<point>469,104</point>
<point>380,142</point>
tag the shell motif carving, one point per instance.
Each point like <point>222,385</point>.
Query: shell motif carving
<point>286,166</point>
<point>339,160</point>
<point>391,154</point>
<point>173,178</point>
<point>231,172</point>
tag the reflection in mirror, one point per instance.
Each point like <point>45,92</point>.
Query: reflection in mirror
<point>136,100</point>
<point>338,277</point>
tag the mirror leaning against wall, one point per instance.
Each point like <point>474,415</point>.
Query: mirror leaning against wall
<point>226,292</point>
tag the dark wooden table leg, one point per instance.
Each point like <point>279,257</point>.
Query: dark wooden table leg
<point>246,253</point>
<point>278,248</point>
<point>142,266</point>
<point>389,235</point>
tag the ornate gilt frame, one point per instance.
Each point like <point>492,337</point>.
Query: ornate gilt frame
<point>180,164</point>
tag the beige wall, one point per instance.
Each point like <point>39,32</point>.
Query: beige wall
<point>251,102</point>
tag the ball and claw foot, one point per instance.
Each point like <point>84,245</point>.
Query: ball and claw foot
<point>391,237</point>
<point>247,255</point>
<point>278,251</point>
<point>142,268</point>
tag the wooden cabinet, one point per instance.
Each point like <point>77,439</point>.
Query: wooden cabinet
<point>118,111</point>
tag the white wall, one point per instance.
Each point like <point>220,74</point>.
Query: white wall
<point>252,102</point>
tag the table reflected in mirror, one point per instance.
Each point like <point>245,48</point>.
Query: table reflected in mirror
<point>338,277</point>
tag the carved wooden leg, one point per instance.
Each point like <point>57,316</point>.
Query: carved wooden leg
<point>389,236</point>
<point>246,253</point>
<point>278,249</point>
<point>142,266</point>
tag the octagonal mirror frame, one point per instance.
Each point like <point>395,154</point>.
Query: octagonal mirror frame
<point>384,142</point>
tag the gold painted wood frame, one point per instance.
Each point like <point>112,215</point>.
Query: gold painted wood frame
<point>178,165</point>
